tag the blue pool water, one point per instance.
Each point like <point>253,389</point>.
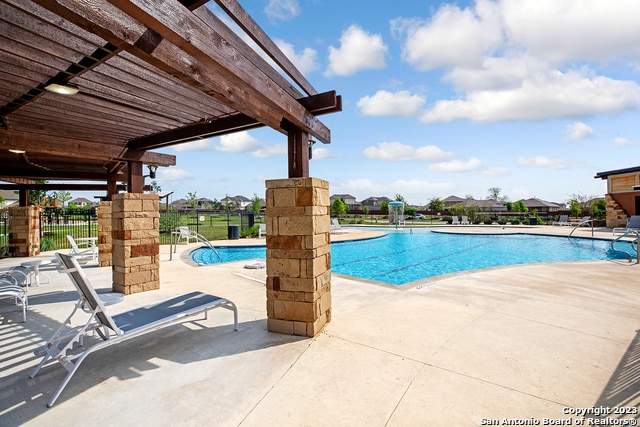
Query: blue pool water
<point>403,257</point>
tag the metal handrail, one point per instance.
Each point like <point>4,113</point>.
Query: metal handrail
<point>580,224</point>
<point>634,245</point>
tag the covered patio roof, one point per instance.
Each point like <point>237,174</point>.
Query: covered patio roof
<point>148,75</point>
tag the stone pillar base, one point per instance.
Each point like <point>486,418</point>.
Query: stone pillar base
<point>24,231</point>
<point>135,242</point>
<point>104,234</point>
<point>298,256</point>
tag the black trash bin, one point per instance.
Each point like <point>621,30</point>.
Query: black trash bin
<point>533,220</point>
<point>233,232</point>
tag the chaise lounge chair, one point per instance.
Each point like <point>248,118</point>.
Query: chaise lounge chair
<point>63,346</point>
<point>633,223</point>
<point>14,283</point>
<point>455,220</point>
<point>464,220</point>
<point>83,249</point>
<point>563,220</point>
<point>185,234</point>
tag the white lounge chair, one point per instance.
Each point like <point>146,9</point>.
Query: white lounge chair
<point>14,283</point>
<point>185,234</point>
<point>455,220</point>
<point>583,221</point>
<point>262,231</point>
<point>335,226</point>
<point>633,223</point>
<point>563,220</point>
<point>464,220</point>
<point>83,248</point>
<point>63,344</point>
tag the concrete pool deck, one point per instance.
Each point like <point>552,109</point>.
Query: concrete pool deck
<point>529,342</point>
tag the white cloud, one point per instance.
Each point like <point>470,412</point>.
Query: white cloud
<point>395,151</point>
<point>452,37</point>
<point>456,165</point>
<point>305,61</point>
<point>282,10</point>
<point>173,174</point>
<point>385,103</point>
<point>543,162</point>
<point>199,145</point>
<point>238,143</point>
<point>554,95</point>
<point>495,171</point>
<point>622,142</point>
<point>578,130</point>
<point>358,51</point>
<point>269,151</point>
<point>322,153</point>
<point>562,30</point>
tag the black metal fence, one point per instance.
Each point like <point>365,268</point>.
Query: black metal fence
<point>211,224</point>
<point>56,223</point>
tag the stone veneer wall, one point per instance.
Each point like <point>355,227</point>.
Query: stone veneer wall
<point>616,216</point>
<point>24,231</point>
<point>135,242</point>
<point>104,234</point>
<point>298,256</point>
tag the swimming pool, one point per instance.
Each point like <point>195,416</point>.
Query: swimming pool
<point>402,257</point>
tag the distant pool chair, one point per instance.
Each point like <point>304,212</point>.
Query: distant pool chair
<point>185,234</point>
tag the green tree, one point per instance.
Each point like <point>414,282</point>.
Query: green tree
<point>384,207</point>
<point>494,194</point>
<point>400,198</point>
<point>436,204</point>
<point>411,211</point>
<point>192,200</point>
<point>155,187</point>
<point>365,210</point>
<point>256,203</point>
<point>574,207</point>
<point>339,207</point>
<point>519,206</point>
<point>64,197</point>
<point>599,209</point>
<point>37,197</point>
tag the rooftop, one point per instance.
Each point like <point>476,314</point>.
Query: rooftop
<point>517,342</point>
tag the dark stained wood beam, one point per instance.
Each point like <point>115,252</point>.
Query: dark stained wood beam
<point>10,172</point>
<point>54,187</point>
<point>298,151</point>
<point>253,30</point>
<point>136,181</point>
<point>47,144</point>
<point>323,103</point>
<point>184,46</point>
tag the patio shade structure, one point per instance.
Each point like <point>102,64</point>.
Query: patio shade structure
<point>143,75</point>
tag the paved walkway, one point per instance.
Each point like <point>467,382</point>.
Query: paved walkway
<point>528,342</point>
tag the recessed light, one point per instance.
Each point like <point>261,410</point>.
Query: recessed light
<point>18,151</point>
<point>66,89</point>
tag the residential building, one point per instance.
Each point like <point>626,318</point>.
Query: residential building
<point>487,205</point>
<point>623,195</point>
<point>542,206</point>
<point>9,198</point>
<point>348,199</point>
<point>374,203</point>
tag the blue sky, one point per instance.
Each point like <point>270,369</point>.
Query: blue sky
<point>443,97</point>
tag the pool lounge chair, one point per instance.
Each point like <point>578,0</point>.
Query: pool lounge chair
<point>455,220</point>
<point>583,221</point>
<point>185,234</point>
<point>633,223</point>
<point>262,230</point>
<point>15,284</point>
<point>335,226</point>
<point>68,345</point>
<point>83,249</point>
<point>464,220</point>
<point>563,220</point>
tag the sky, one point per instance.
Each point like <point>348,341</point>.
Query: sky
<point>444,98</point>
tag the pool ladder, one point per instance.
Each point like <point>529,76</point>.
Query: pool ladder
<point>634,245</point>
<point>203,239</point>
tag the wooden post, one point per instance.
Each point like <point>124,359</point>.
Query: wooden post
<point>136,180</point>
<point>298,149</point>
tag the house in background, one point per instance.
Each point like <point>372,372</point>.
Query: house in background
<point>542,206</point>
<point>348,199</point>
<point>81,202</point>
<point>374,203</point>
<point>622,195</point>
<point>9,198</point>
<point>487,205</point>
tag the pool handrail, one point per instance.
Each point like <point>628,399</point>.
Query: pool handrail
<point>634,245</point>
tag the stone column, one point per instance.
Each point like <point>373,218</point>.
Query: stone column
<point>104,234</point>
<point>135,242</point>
<point>298,256</point>
<point>24,231</point>
<point>615,215</point>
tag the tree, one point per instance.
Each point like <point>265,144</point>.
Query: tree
<point>411,211</point>
<point>494,194</point>
<point>155,187</point>
<point>384,206</point>
<point>256,203</point>
<point>365,210</point>
<point>192,200</point>
<point>400,198</point>
<point>64,197</point>
<point>37,197</point>
<point>436,204</point>
<point>519,206</point>
<point>574,207</point>
<point>339,207</point>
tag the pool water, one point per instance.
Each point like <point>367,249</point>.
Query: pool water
<point>403,257</point>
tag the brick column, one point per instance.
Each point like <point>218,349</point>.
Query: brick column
<point>135,242</point>
<point>24,231</point>
<point>298,256</point>
<point>615,215</point>
<point>104,234</point>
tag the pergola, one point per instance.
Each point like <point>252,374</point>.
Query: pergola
<point>148,74</point>
<point>90,88</point>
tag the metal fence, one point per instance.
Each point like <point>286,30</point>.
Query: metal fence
<point>211,224</point>
<point>56,223</point>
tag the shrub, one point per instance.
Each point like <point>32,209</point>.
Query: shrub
<point>47,244</point>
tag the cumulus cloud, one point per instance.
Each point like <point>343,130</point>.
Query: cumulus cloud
<point>452,37</point>
<point>173,174</point>
<point>383,103</point>
<point>239,142</point>
<point>395,151</point>
<point>456,165</point>
<point>578,130</point>
<point>199,145</point>
<point>622,142</point>
<point>305,61</point>
<point>272,150</point>
<point>543,162</point>
<point>358,51</point>
<point>282,10</point>
<point>322,153</point>
<point>555,95</point>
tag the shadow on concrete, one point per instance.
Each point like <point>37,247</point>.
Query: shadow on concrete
<point>623,389</point>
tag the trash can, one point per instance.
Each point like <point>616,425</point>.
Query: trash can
<point>533,220</point>
<point>233,232</point>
